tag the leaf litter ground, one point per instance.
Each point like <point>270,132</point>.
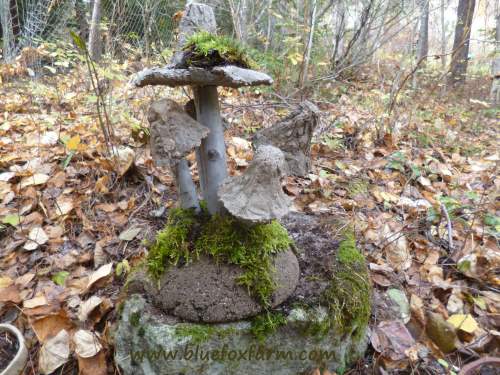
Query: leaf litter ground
<point>73,221</point>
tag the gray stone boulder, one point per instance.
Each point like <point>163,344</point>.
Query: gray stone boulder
<point>148,343</point>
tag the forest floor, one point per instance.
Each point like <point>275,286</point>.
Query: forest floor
<point>422,197</point>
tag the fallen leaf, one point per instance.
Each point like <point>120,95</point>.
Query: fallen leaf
<point>39,300</point>
<point>399,297</point>
<point>95,365</point>
<point>64,205</point>
<point>88,306</point>
<point>54,353</point>
<point>13,219</point>
<point>393,339</point>
<point>101,272</point>
<point>36,237</point>
<point>463,322</point>
<point>397,252</point>
<point>60,277</point>
<point>25,279</point>
<point>50,325</point>
<point>417,308</point>
<point>5,281</point>
<point>73,143</point>
<point>124,158</point>
<point>6,176</point>
<point>50,138</point>
<point>99,255</point>
<point>10,294</point>
<point>36,179</point>
<point>86,343</point>
<point>130,233</point>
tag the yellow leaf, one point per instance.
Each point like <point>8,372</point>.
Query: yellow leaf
<point>5,281</point>
<point>73,143</point>
<point>464,322</point>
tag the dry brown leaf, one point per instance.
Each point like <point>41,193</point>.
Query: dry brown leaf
<point>123,159</point>
<point>10,294</point>
<point>86,343</point>
<point>95,365</point>
<point>36,179</point>
<point>64,205</point>
<point>88,306</point>
<point>36,237</point>
<point>100,273</point>
<point>38,300</point>
<point>392,339</point>
<point>5,282</point>
<point>49,326</point>
<point>100,257</point>
<point>54,353</point>
<point>24,280</point>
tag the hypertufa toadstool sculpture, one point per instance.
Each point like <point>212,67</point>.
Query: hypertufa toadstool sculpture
<point>174,134</point>
<point>211,155</point>
<point>293,136</point>
<point>257,196</point>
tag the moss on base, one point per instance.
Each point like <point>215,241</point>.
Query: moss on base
<point>266,323</point>
<point>348,297</point>
<point>188,235</point>
<point>200,333</point>
<point>204,49</point>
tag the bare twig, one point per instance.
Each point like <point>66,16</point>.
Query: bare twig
<point>469,368</point>
<point>448,225</point>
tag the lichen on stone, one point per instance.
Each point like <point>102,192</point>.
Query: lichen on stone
<point>187,235</point>
<point>206,50</point>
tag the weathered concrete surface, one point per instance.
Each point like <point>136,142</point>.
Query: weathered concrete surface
<point>256,196</point>
<point>146,342</point>
<point>174,134</point>
<point>204,291</point>
<point>293,135</point>
<point>228,76</point>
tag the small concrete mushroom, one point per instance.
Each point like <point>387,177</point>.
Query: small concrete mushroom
<point>256,196</point>
<point>293,135</point>
<point>174,134</point>
<point>211,155</point>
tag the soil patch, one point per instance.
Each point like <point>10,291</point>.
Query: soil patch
<point>316,252</point>
<point>8,349</point>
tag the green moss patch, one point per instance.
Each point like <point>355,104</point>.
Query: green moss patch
<point>348,297</point>
<point>266,324</point>
<point>201,333</point>
<point>206,50</point>
<point>188,235</point>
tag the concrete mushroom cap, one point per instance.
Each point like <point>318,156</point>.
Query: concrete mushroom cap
<point>227,76</point>
<point>256,196</point>
<point>174,134</point>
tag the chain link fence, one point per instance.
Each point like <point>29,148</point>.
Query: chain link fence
<point>139,27</point>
